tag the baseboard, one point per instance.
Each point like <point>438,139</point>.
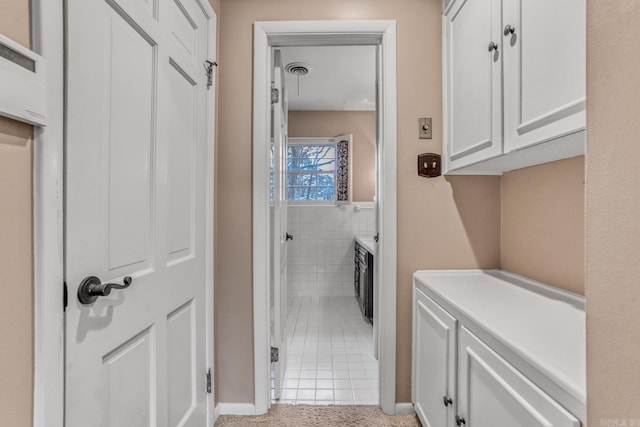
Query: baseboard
<point>236,408</point>
<point>405,409</point>
<point>216,412</point>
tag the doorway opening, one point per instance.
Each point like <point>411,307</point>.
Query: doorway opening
<point>336,335</point>
<point>329,173</point>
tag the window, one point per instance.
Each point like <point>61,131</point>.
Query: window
<point>311,170</point>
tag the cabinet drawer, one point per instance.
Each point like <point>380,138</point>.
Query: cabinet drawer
<point>492,392</point>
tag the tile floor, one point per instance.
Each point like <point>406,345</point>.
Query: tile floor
<point>330,354</point>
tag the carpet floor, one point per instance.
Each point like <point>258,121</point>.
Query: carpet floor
<point>320,416</point>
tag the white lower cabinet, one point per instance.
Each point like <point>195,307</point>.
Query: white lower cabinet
<point>460,380</point>
<point>492,393</point>
<point>434,337</point>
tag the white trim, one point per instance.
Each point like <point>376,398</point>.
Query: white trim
<point>211,413</point>
<point>321,140</point>
<point>364,205</point>
<point>48,254</point>
<point>405,409</point>
<point>216,413</point>
<point>307,33</point>
<point>236,408</point>
<point>387,210</point>
<point>261,250</point>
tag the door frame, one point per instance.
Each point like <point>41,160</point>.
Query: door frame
<point>47,33</point>
<point>268,34</point>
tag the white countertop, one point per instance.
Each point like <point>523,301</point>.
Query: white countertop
<point>368,243</point>
<point>543,325</point>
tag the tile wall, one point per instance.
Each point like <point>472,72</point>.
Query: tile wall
<point>321,256</point>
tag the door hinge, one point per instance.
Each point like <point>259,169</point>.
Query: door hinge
<point>209,381</point>
<point>275,94</point>
<point>377,237</point>
<point>208,68</point>
<point>65,296</point>
<point>274,354</point>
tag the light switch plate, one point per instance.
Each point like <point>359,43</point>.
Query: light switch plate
<point>424,128</point>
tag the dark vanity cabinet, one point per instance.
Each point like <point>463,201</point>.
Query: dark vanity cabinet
<point>363,281</point>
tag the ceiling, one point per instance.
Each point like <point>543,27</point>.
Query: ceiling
<point>340,78</point>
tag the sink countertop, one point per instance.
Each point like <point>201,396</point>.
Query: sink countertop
<point>368,243</point>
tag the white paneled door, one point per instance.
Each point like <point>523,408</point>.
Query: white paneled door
<point>135,212</point>
<point>280,234</point>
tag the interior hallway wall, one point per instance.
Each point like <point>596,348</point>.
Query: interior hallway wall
<point>360,124</point>
<point>16,248</point>
<point>442,222</point>
<point>613,212</point>
<point>543,223</point>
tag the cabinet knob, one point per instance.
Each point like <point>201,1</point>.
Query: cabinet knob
<point>460,421</point>
<point>508,30</point>
<point>447,400</point>
<point>492,46</point>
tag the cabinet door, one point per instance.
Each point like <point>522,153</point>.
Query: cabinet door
<point>434,361</point>
<point>544,70</point>
<point>472,82</point>
<point>492,392</point>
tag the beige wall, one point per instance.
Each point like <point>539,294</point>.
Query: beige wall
<point>362,125</point>
<point>452,223</point>
<point>613,210</point>
<point>16,303</point>
<point>543,223</point>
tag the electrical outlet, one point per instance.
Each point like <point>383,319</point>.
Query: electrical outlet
<point>424,129</point>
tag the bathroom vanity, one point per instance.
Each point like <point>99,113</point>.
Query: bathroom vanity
<point>491,348</point>
<point>363,276</point>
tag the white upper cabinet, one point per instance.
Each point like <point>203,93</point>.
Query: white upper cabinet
<point>544,70</point>
<point>473,81</point>
<point>522,102</point>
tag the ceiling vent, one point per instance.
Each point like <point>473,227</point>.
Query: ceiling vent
<point>297,69</point>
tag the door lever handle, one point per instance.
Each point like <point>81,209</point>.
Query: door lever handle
<point>289,236</point>
<point>91,288</point>
<point>447,400</point>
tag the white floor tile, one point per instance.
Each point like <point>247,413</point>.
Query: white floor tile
<point>342,384</point>
<point>290,383</point>
<point>289,394</point>
<point>325,384</point>
<point>306,374</point>
<point>360,384</point>
<point>343,394</point>
<point>324,394</point>
<point>307,383</point>
<point>330,354</point>
<point>358,374</point>
<point>325,366</point>
<point>306,394</point>
<point>324,374</point>
<point>292,373</point>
